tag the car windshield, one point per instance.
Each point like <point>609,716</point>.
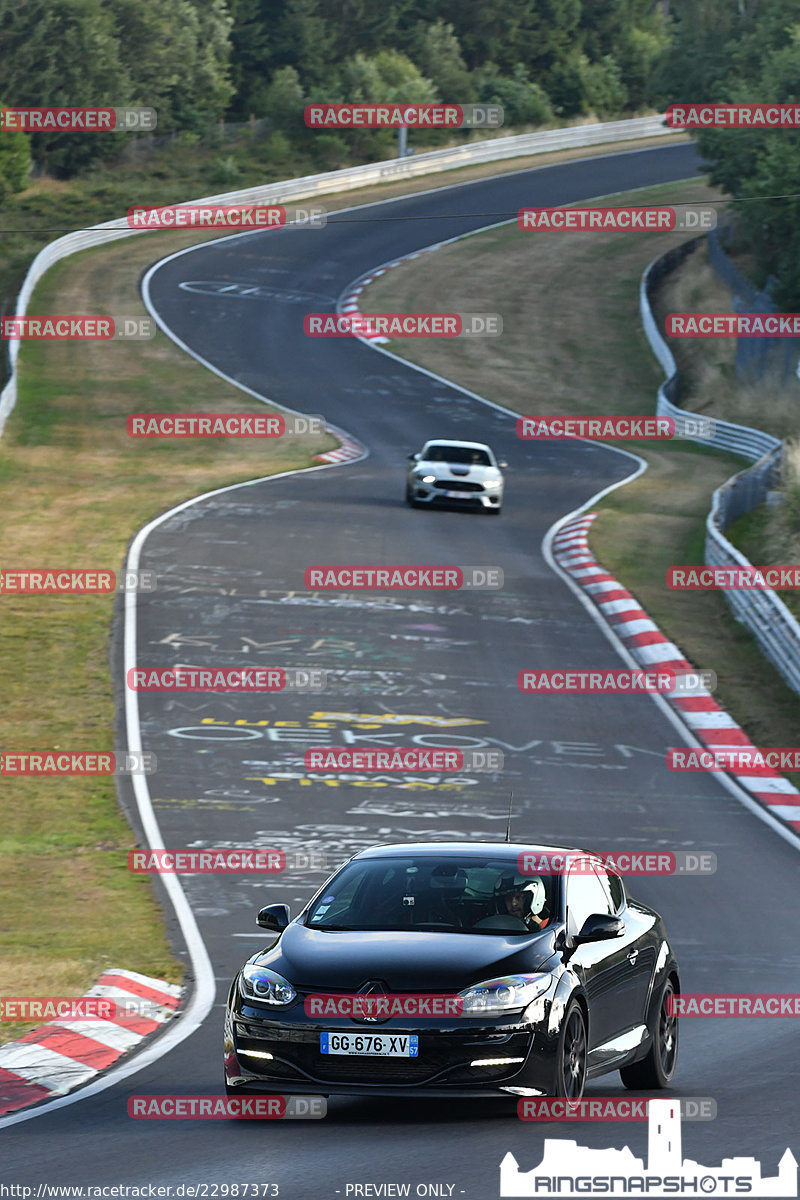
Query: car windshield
<point>465,455</point>
<point>430,893</point>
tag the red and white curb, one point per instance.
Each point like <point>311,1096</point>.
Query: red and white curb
<point>349,302</point>
<point>62,1055</point>
<point>709,723</point>
<point>347,452</point>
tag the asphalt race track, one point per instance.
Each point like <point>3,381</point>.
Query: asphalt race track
<point>584,770</point>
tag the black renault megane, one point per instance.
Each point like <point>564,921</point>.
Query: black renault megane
<point>458,969</point>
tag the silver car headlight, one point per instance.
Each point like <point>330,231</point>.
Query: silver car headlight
<point>506,994</point>
<point>426,478</point>
<point>492,483</point>
<point>266,986</point>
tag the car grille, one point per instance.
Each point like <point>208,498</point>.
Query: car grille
<point>438,1054</point>
<point>458,485</point>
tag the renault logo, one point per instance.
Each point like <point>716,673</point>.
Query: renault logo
<point>374,987</point>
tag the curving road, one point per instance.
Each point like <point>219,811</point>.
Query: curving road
<point>586,770</point>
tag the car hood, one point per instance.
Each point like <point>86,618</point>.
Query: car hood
<point>458,471</point>
<point>431,961</point>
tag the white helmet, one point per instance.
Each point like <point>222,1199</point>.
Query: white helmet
<point>532,885</point>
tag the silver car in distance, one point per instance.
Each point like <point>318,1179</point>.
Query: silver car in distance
<point>455,474</point>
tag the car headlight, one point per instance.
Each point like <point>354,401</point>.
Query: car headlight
<point>426,478</point>
<point>492,483</point>
<point>268,987</point>
<point>504,994</point>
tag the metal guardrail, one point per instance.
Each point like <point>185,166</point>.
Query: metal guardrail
<point>771,623</point>
<point>347,179</point>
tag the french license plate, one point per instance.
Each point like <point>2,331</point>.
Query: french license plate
<point>455,495</point>
<point>383,1045</point>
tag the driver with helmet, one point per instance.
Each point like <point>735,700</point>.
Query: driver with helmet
<point>523,896</point>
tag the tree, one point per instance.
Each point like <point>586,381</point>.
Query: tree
<point>437,54</point>
<point>176,54</point>
<point>62,52</point>
<point>15,161</point>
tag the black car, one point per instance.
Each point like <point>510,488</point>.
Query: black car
<point>518,983</point>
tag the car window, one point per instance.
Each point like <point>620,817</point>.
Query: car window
<point>585,895</point>
<point>615,887</point>
<point>464,455</point>
<point>458,895</point>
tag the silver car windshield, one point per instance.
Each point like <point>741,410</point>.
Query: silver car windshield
<point>461,455</point>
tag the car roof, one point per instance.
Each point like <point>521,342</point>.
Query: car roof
<point>501,849</point>
<point>453,442</point>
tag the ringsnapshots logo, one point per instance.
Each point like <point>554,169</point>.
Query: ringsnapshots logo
<point>732,324</point>
<point>665,680</point>
<point>403,116</point>
<point>58,118</point>
<point>402,325</point>
<point>569,1170</point>
<point>222,425</point>
<point>76,762</point>
<point>58,328</point>
<point>55,581</point>
<point>227,1108</point>
<point>411,758</point>
<point>402,578</point>
<point>733,116</point>
<point>185,678</point>
<point>226,216</point>
<point>621,862</point>
<point>624,218</point>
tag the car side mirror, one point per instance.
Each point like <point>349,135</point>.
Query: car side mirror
<point>413,458</point>
<point>274,917</point>
<point>600,927</point>
<point>503,464</point>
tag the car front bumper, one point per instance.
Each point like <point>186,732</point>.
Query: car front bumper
<point>513,1058</point>
<point>450,492</point>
